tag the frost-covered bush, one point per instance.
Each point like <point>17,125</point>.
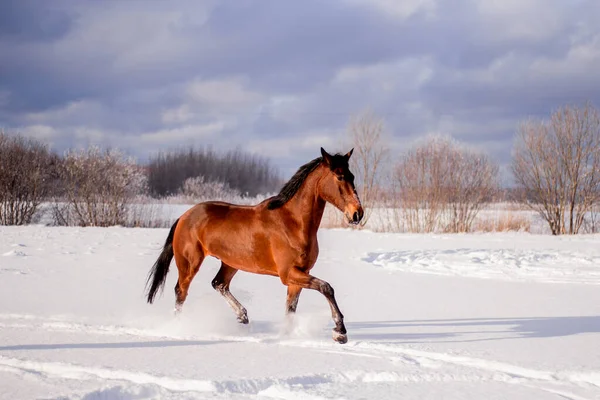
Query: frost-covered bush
<point>199,189</point>
<point>97,188</point>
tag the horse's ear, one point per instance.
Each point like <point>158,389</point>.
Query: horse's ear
<point>326,157</point>
<point>347,156</point>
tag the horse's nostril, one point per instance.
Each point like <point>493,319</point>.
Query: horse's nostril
<point>355,216</point>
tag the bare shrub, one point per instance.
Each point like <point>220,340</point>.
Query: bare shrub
<point>97,186</point>
<point>442,186</point>
<point>505,222</point>
<point>365,132</point>
<point>146,212</point>
<point>472,183</point>
<point>25,178</point>
<point>421,180</point>
<point>557,162</point>
<point>592,223</point>
<point>198,189</point>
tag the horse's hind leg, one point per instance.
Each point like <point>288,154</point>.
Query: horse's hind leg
<point>187,266</point>
<point>221,284</point>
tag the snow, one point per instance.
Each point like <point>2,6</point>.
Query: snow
<point>516,257</point>
<point>495,316</point>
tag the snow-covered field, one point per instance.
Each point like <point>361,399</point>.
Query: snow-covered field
<point>483,316</point>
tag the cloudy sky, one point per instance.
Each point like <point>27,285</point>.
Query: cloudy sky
<point>282,78</point>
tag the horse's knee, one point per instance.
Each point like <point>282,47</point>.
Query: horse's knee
<point>326,289</point>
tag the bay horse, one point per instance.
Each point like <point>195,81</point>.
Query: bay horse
<point>276,237</point>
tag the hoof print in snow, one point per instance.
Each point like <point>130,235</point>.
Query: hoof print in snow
<point>14,253</point>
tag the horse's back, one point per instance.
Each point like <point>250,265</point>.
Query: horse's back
<point>211,212</point>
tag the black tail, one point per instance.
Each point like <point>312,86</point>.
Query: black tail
<point>158,273</point>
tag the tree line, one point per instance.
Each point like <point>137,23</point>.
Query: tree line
<point>435,185</point>
<point>97,187</point>
<point>247,174</point>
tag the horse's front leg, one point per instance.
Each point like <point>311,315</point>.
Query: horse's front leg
<point>291,303</point>
<point>293,294</point>
<point>301,279</point>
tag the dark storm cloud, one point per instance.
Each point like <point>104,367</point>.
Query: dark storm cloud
<point>85,63</point>
<point>24,20</point>
<point>296,45</point>
<point>282,77</point>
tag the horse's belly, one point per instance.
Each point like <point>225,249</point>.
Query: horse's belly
<point>249,258</point>
<point>257,269</point>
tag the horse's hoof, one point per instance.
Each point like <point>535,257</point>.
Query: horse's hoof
<point>243,320</point>
<point>341,338</point>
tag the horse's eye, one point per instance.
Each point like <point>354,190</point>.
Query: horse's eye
<point>340,177</point>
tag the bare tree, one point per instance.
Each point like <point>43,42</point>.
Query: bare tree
<point>557,162</point>
<point>366,134</point>
<point>98,186</point>
<point>442,186</point>
<point>25,174</point>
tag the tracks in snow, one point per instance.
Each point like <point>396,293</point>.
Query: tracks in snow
<point>288,387</point>
<point>412,365</point>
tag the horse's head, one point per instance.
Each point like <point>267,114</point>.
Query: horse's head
<point>337,186</point>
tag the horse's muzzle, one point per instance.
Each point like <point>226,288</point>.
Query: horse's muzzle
<point>357,216</point>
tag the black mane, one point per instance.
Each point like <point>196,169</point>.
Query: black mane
<point>293,185</point>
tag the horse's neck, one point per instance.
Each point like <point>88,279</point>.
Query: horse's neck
<point>310,205</point>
